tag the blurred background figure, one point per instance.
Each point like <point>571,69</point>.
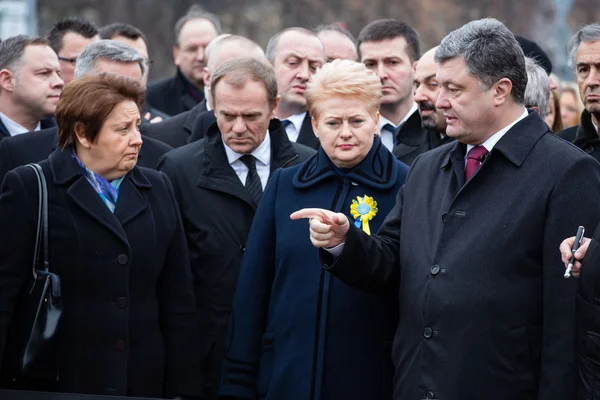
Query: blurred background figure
<point>570,105</point>
<point>553,119</point>
<point>537,91</point>
<point>339,42</point>
<point>193,32</point>
<point>129,325</point>
<point>68,38</point>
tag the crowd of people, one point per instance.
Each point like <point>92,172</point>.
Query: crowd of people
<point>438,186</point>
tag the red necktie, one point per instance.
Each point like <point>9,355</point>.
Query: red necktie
<point>474,159</point>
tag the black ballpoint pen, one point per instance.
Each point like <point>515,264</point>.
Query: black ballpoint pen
<point>578,239</point>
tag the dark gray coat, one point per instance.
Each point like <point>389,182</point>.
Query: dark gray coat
<point>484,309</point>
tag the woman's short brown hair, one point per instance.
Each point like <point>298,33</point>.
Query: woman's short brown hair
<point>86,103</point>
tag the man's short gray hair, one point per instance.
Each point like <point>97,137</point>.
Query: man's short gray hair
<point>537,93</point>
<point>491,53</point>
<point>107,50</point>
<point>588,33</point>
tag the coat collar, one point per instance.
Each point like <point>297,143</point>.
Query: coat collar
<point>216,173</point>
<point>192,115</point>
<point>185,89</point>
<point>66,171</point>
<point>379,169</point>
<point>586,133</point>
<point>44,124</point>
<point>515,145</point>
<point>306,136</point>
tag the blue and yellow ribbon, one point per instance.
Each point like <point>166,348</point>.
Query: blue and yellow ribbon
<point>363,210</point>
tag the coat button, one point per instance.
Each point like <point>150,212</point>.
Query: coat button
<point>120,345</point>
<point>122,259</point>
<point>429,395</point>
<point>589,149</point>
<point>122,302</point>
<point>435,270</point>
<point>243,247</point>
<point>444,217</point>
<point>428,332</point>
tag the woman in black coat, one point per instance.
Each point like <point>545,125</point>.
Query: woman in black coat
<point>116,241</point>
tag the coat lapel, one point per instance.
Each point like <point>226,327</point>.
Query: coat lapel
<point>131,202</point>
<point>3,130</point>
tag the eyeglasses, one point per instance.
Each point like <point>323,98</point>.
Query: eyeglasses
<point>69,60</point>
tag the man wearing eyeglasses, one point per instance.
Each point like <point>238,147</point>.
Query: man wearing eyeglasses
<point>179,93</point>
<point>68,38</point>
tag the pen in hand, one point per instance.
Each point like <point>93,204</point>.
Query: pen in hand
<point>578,239</point>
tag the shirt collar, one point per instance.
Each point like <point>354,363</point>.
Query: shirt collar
<point>492,140</point>
<point>297,120</point>
<point>262,153</point>
<point>206,94</point>
<point>595,126</point>
<point>383,120</point>
<point>15,128</point>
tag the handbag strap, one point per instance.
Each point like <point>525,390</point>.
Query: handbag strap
<point>42,225</point>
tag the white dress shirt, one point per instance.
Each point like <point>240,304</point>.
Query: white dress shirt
<point>387,136</point>
<point>15,128</point>
<point>595,126</point>
<point>293,129</point>
<point>263,161</point>
<point>206,95</point>
<point>492,140</point>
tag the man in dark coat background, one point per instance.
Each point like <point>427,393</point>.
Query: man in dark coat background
<point>193,32</point>
<point>484,309</point>
<point>218,192</point>
<point>178,131</point>
<point>585,53</point>
<point>103,56</point>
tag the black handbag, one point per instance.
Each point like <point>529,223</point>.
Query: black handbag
<point>43,299</point>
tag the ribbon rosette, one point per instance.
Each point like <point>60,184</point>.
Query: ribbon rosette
<point>363,210</point>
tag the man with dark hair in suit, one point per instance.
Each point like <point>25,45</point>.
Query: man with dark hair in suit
<point>218,182</point>
<point>193,32</point>
<point>391,49</point>
<point>191,125</point>
<point>469,250</point>
<point>134,38</point>
<point>30,85</point>
<point>68,38</point>
<point>296,54</point>
<point>103,56</point>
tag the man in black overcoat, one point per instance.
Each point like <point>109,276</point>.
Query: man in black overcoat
<point>472,255</point>
<point>218,182</point>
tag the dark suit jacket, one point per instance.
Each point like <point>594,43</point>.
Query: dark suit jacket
<point>306,137</point>
<point>217,211</point>
<point>483,304</point>
<point>412,140</point>
<point>32,147</point>
<point>584,136</point>
<point>176,131</point>
<point>129,325</point>
<point>44,124</point>
<point>173,95</point>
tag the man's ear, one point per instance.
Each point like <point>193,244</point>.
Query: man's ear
<point>7,81</point>
<point>206,77</point>
<point>275,108</point>
<point>176,55</point>
<point>81,138</point>
<point>502,90</point>
<point>313,122</point>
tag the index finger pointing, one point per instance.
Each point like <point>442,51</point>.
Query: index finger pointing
<point>308,213</point>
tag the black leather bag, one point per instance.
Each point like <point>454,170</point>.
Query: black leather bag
<point>43,298</point>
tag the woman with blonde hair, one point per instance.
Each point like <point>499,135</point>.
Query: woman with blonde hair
<point>571,106</point>
<point>298,332</point>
